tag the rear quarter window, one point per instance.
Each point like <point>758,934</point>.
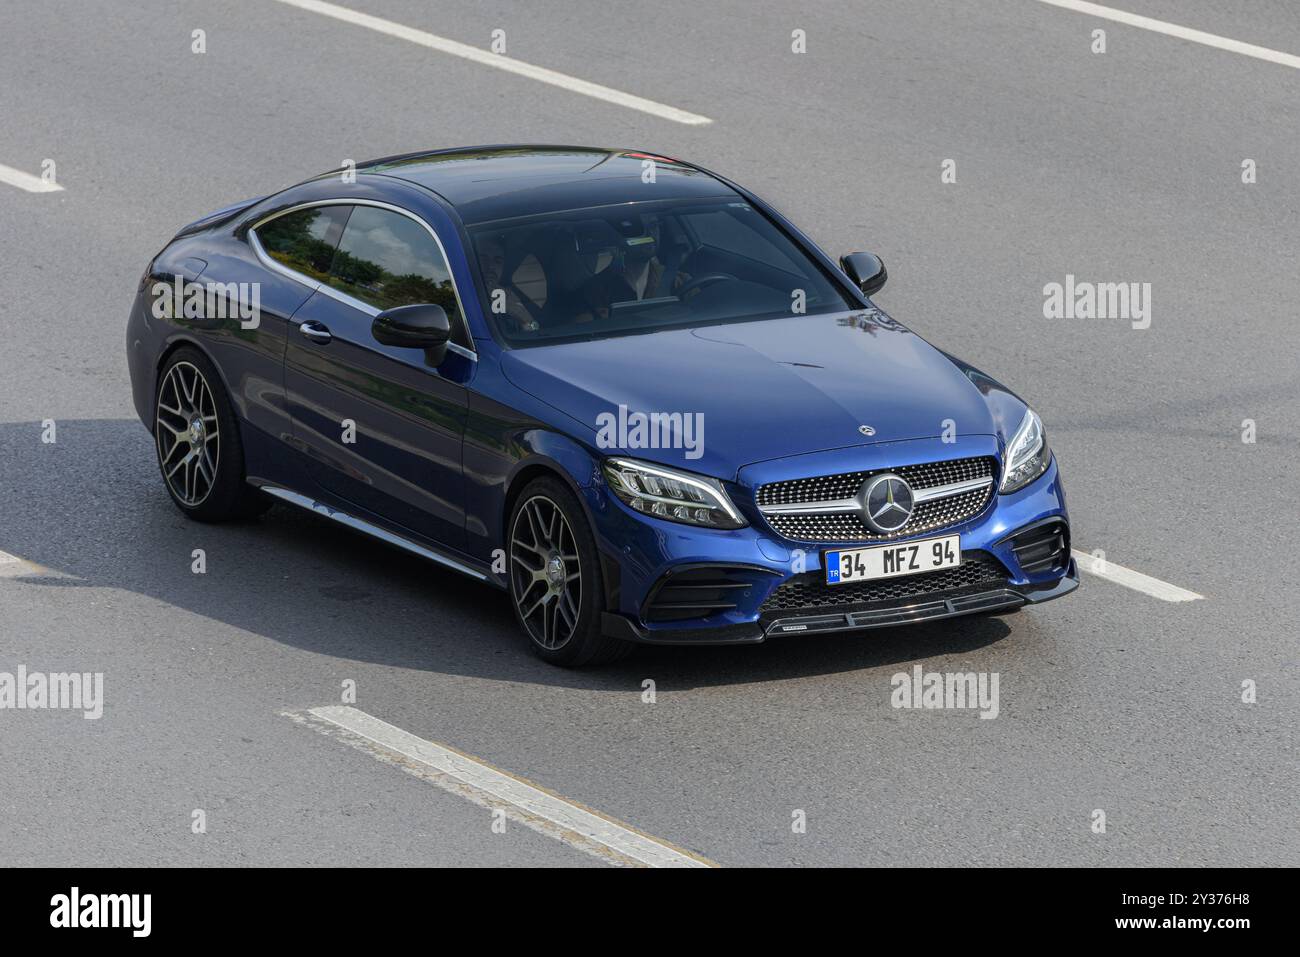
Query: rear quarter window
<point>305,241</point>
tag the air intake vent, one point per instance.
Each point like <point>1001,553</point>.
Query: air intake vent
<point>1042,547</point>
<point>698,592</point>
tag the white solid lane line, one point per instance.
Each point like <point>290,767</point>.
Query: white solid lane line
<point>17,567</point>
<point>499,61</point>
<point>1104,568</point>
<point>1174,30</point>
<point>33,184</point>
<point>548,813</point>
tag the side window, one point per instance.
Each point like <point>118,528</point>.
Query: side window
<point>731,232</point>
<point>304,241</point>
<point>386,260</point>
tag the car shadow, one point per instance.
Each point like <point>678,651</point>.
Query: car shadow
<point>90,510</point>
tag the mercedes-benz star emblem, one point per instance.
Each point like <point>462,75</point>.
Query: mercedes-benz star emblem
<point>887,502</point>
<point>866,430</point>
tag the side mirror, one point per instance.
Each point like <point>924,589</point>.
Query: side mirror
<point>866,270</point>
<point>422,326</point>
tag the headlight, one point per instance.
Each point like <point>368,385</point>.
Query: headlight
<point>1027,455</point>
<point>676,496</point>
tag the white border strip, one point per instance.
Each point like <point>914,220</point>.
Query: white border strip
<point>1174,30</point>
<point>33,184</point>
<point>1104,568</point>
<point>499,61</point>
<point>535,803</point>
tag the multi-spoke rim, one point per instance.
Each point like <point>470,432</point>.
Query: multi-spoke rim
<point>189,439</point>
<point>546,572</point>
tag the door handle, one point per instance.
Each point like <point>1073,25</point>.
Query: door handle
<point>314,331</point>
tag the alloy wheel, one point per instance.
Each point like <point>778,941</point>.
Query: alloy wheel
<point>187,433</point>
<point>546,572</point>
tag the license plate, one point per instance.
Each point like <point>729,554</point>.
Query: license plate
<point>890,561</point>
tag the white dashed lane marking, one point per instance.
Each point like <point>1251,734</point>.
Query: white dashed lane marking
<point>499,61</point>
<point>1174,30</point>
<point>1104,568</point>
<point>543,811</point>
<point>33,184</point>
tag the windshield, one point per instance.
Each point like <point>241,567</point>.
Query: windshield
<point>615,270</point>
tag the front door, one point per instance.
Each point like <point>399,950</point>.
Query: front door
<point>381,427</point>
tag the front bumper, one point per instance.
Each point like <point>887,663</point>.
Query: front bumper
<point>931,609</point>
<point>901,613</point>
<point>743,580</point>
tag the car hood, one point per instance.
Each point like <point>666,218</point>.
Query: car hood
<point>757,390</point>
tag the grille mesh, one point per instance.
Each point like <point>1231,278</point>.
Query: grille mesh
<point>809,592</point>
<point>827,488</point>
<point>849,526</point>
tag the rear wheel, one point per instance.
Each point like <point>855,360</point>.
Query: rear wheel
<point>555,581</point>
<point>197,438</point>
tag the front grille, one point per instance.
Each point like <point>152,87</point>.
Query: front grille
<point>828,488</point>
<point>978,571</point>
<point>848,526</point>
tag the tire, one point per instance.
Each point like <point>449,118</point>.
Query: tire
<point>548,539</point>
<point>196,436</point>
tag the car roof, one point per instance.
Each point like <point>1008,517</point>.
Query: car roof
<point>490,183</point>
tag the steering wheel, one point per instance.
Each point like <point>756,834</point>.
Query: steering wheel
<point>702,282</point>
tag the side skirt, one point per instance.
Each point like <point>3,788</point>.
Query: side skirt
<point>375,531</point>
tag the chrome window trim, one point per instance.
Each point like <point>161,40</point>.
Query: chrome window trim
<point>318,286</point>
<point>855,504</point>
<point>266,260</point>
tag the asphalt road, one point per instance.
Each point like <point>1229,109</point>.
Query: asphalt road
<point>1117,167</point>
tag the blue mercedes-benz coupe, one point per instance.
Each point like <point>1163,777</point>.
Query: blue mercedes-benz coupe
<point>617,386</point>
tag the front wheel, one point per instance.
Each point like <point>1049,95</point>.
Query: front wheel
<point>555,581</point>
